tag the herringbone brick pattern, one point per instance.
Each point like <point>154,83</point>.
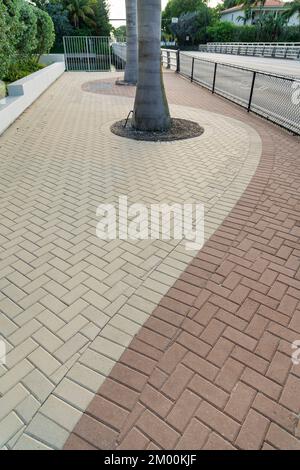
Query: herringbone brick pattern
<point>70,303</point>
<point>211,368</point>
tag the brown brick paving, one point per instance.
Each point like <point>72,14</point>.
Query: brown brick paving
<point>211,368</point>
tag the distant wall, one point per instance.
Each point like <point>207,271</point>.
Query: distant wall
<point>51,58</point>
<point>232,17</point>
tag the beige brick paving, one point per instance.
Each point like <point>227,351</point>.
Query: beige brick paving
<point>71,303</point>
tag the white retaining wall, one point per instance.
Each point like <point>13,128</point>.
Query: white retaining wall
<point>24,92</point>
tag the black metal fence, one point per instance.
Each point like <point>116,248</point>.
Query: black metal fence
<point>275,97</point>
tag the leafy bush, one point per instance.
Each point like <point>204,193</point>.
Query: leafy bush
<point>191,25</point>
<point>62,25</point>
<point>27,41</point>
<point>45,33</point>
<point>5,47</point>
<point>245,33</point>
<point>25,33</point>
<point>224,31</point>
<point>21,69</point>
<point>290,34</point>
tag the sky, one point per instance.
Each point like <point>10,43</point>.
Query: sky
<point>117,9</point>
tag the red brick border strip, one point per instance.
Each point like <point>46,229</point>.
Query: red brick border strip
<point>211,368</point>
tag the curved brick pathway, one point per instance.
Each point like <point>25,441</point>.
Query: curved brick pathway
<point>187,352</point>
<point>212,368</point>
<point>70,303</point>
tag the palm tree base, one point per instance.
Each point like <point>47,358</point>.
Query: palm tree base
<point>180,129</point>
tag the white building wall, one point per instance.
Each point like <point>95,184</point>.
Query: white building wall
<point>294,20</point>
<point>232,16</point>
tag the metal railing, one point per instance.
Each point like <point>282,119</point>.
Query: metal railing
<point>87,53</point>
<point>169,58</point>
<point>275,97</point>
<point>258,49</point>
<point>93,53</point>
<point>119,54</point>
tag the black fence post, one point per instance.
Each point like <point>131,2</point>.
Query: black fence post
<point>251,92</point>
<point>214,80</point>
<point>193,66</point>
<point>178,61</point>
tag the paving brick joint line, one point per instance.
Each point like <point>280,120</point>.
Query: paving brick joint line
<point>144,345</point>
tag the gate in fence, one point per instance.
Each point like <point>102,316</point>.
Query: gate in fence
<point>91,54</point>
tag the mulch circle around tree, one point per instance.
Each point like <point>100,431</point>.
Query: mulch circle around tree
<point>180,129</point>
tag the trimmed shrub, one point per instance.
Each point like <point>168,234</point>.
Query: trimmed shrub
<point>45,33</point>
<point>245,33</point>
<point>25,33</point>
<point>5,46</point>
<point>27,41</point>
<point>18,70</point>
<point>224,31</point>
<point>290,34</point>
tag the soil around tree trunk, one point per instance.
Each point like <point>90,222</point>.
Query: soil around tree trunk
<point>123,83</point>
<point>181,129</point>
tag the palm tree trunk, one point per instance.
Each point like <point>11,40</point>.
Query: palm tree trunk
<point>131,70</point>
<point>151,110</point>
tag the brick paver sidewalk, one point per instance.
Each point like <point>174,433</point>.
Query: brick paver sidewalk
<point>155,348</point>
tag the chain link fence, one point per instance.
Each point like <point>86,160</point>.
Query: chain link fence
<point>274,97</point>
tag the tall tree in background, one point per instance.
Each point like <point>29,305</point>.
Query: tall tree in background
<point>151,110</point>
<point>62,25</point>
<point>271,26</point>
<point>120,33</point>
<point>131,70</point>
<point>193,25</point>
<point>230,4</point>
<point>81,12</point>
<point>101,11</point>
<point>176,8</point>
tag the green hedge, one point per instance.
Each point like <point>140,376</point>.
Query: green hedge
<point>45,33</point>
<point>5,49</point>
<point>224,31</point>
<point>26,32</point>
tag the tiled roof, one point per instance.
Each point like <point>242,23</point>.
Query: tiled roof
<point>268,4</point>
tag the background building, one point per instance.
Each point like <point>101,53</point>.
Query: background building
<point>238,16</point>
